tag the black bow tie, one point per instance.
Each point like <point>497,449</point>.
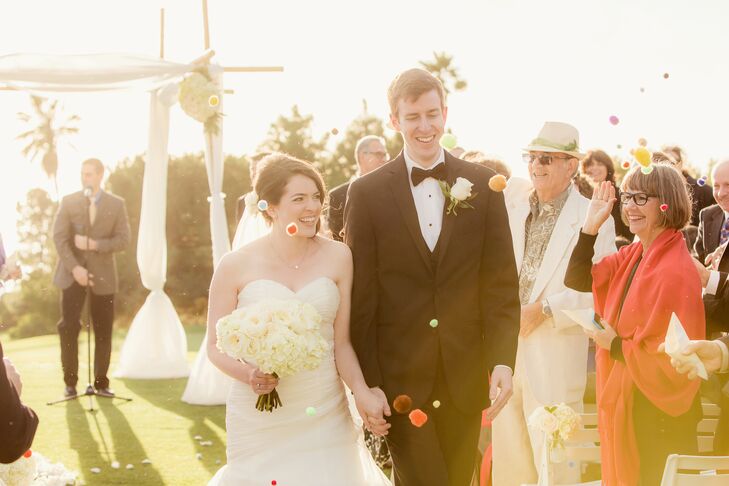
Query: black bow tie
<point>419,175</point>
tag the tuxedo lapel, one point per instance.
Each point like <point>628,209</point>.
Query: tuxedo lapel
<point>564,230</point>
<point>400,187</point>
<point>449,221</point>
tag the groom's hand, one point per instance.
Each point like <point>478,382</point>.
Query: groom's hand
<point>373,408</point>
<point>500,390</point>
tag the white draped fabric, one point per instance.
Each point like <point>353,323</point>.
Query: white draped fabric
<point>208,385</point>
<point>156,346</point>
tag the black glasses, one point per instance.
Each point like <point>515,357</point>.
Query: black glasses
<point>639,198</point>
<point>544,159</point>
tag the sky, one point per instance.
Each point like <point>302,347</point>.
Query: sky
<point>526,62</point>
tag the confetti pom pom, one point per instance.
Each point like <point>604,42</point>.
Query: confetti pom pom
<point>214,101</point>
<point>665,75</point>
<point>642,142</point>
<point>647,169</point>
<point>614,120</point>
<point>433,323</point>
<point>310,411</point>
<point>292,229</point>
<point>701,181</point>
<point>664,207</point>
<point>626,165</point>
<point>115,465</point>
<point>262,205</point>
<point>497,183</point>
<point>436,404</point>
<point>402,404</point>
<point>643,156</point>
<point>130,466</point>
<point>28,453</point>
<point>335,131</point>
<point>418,417</point>
<point>448,141</point>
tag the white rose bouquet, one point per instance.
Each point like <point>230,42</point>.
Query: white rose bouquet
<point>558,422</point>
<point>200,98</point>
<point>281,337</point>
<point>458,194</point>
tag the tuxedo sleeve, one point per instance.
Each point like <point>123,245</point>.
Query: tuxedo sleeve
<point>500,310</point>
<point>120,235</point>
<point>359,235</point>
<point>63,236</point>
<point>716,307</point>
<point>18,423</point>
<point>699,247</point>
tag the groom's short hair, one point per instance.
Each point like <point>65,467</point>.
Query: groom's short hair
<point>410,85</point>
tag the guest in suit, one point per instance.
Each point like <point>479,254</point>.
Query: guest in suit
<point>86,258</point>
<point>370,154</point>
<point>435,302</point>
<point>551,360</point>
<point>18,423</point>
<point>714,220</point>
<point>700,195</point>
<point>598,167</point>
<point>646,410</point>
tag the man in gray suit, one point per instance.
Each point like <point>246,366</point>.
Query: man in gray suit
<point>86,258</point>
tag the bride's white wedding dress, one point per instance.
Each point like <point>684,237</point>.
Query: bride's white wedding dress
<point>287,445</point>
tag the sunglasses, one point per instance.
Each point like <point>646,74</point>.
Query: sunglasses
<point>544,159</point>
<point>639,198</point>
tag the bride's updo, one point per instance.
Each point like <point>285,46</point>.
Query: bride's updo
<point>274,173</point>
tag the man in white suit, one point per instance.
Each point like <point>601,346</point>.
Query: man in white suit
<point>545,217</point>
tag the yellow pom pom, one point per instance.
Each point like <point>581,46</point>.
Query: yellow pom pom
<point>643,156</point>
<point>497,183</point>
<point>214,100</point>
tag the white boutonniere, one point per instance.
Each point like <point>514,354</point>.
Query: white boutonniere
<point>458,194</point>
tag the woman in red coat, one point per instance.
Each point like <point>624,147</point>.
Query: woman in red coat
<point>646,410</point>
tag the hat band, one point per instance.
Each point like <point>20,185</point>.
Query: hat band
<point>571,147</point>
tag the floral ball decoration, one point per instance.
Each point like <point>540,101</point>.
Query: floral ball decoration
<point>200,98</point>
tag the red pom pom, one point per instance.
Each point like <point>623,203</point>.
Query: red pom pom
<point>274,483</point>
<point>402,404</point>
<point>418,417</point>
<point>28,453</point>
<point>292,229</point>
<point>626,165</point>
<point>664,207</point>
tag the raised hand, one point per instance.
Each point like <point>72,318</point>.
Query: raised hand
<point>600,208</point>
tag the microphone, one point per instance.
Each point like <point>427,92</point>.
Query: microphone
<point>88,191</point>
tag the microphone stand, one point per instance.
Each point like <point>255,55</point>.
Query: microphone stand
<point>90,391</point>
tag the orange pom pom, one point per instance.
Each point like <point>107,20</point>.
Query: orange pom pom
<point>418,417</point>
<point>28,453</point>
<point>292,229</point>
<point>402,404</point>
<point>497,183</point>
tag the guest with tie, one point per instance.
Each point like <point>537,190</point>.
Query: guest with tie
<point>370,154</point>
<point>86,258</point>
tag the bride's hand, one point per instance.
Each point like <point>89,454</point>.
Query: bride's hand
<point>373,407</point>
<point>260,382</point>
<point>601,206</point>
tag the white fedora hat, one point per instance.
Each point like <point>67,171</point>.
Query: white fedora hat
<point>557,137</point>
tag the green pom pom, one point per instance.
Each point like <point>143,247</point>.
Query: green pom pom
<point>647,169</point>
<point>310,411</point>
<point>448,141</point>
<point>434,323</point>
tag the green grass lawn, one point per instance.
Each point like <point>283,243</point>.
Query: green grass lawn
<point>156,425</point>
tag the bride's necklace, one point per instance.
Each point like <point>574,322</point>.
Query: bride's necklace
<point>283,260</point>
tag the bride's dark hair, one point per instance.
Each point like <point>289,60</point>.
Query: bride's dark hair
<point>274,173</point>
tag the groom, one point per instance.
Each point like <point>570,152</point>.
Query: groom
<point>435,303</point>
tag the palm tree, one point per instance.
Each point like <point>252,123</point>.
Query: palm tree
<point>43,138</point>
<point>442,68</point>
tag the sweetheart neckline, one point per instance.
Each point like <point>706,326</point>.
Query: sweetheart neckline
<point>292,291</point>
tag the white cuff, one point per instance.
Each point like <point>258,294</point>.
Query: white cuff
<point>713,284</point>
<point>512,371</point>
<point>724,356</point>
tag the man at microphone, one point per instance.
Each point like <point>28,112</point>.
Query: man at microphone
<point>91,225</point>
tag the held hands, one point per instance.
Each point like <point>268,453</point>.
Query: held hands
<point>531,318</point>
<point>709,352</point>
<point>600,207</point>
<point>373,408</point>
<point>85,243</point>
<point>500,390</point>
<point>603,338</point>
<point>82,276</point>
<point>261,383</point>
<point>13,375</point>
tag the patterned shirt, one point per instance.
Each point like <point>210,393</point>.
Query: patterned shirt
<point>539,226</point>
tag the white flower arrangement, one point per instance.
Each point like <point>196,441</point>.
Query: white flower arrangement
<point>281,337</point>
<point>200,98</point>
<point>558,422</point>
<point>458,194</point>
<point>33,469</point>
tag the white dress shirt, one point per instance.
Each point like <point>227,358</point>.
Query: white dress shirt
<point>713,283</point>
<point>429,201</point>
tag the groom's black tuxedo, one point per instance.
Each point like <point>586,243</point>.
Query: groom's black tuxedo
<point>468,283</point>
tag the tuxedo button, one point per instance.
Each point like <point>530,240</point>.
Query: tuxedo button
<point>434,323</point>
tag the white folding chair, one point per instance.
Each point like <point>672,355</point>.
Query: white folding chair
<point>696,471</point>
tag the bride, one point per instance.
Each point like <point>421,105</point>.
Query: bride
<point>311,438</point>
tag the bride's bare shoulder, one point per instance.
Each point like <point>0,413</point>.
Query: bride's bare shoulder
<point>335,250</point>
<point>242,258</point>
